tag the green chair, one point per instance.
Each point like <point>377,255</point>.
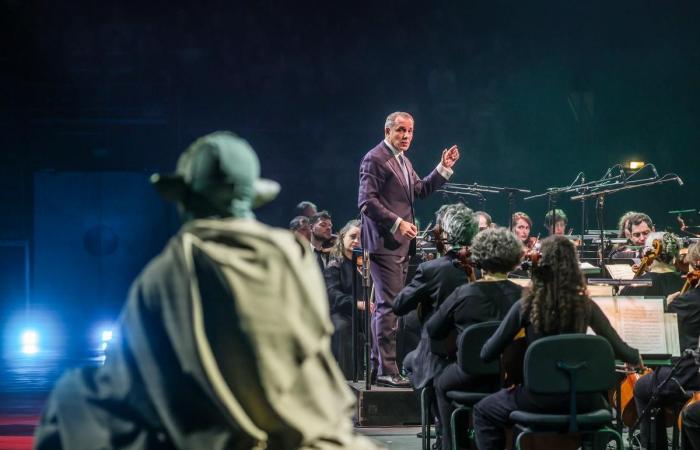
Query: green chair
<point>568,364</point>
<point>469,344</point>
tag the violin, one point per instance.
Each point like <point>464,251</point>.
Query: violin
<point>464,261</point>
<point>439,238</point>
<point>691,280</point>
<point>648,258</point>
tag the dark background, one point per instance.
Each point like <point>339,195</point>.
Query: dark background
<point>532,92</point>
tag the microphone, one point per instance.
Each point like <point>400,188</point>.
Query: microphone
<point>653,168</point>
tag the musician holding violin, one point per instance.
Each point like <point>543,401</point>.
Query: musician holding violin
<point>433,282</point>
<point>557,303</point>
<point>659,255</point>
<point>520,225</point>
<point>497,251</point>
<point>635,227</point>
<point>686,304</point>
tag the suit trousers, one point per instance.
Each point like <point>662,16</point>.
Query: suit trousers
<point>389,277</point>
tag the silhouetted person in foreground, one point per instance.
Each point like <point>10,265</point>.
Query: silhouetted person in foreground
<point>224,340</point>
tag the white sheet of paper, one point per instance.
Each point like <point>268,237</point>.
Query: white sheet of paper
<point>672,340</point>
<point>642,323</point>
<point>620,271</point>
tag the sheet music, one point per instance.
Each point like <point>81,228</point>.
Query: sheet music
<point>620,271</point>
<point>642,323</point>
<point>524,282</point>
<point>672,339</point>
<point>588,268</point>
<point>596,290</point>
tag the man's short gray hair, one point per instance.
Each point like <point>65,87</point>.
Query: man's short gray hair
<point>496,250</point>
<point>391,118</point>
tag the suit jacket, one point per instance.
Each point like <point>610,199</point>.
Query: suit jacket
<point>383,196</point>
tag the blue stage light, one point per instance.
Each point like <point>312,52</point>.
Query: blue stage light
<point>106,335</point>
<point>29,340</point>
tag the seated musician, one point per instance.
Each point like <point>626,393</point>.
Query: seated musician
<point>662,271</point>
<point>636,227</point>
<point>433,282</point>
<point>339,278</point>
<point>556,304</point>
<point>560,222</point>
<point>497,251</point>
<point>484,220</point>
<point>521,224</point>
<point>687,307</point>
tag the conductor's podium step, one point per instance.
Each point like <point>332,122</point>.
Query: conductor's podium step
<point>383,406</point>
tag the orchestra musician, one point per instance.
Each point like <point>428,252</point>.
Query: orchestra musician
<point>560,222</point>
<point>484,220</point>
<point>687,308</point>
<point>521,224</point>
<point>662,271</point>
<point>434,281</point>
<point>339,279</point>
<point>636,227</point>
<point>557,303</point>
<point>497,251</point>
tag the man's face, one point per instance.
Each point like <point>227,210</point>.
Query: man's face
<point>322,229</point>
<point>483,223</point>
<point>638,233</point>
<point>521,229</point>
<point>559,227</point>
<point>401,134</point>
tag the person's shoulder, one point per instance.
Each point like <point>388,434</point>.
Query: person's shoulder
<point>334,264</point>
<point>380,152</point>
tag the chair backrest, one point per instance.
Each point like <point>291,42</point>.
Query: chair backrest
<point>552,361</point>
<point>469,344</point>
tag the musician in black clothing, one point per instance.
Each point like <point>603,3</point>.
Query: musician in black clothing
<point>433,282</point>
<point>497,251</point>
<point>690,436</point>
<point>662,272</point>
<point>339,276</point>
<point>687,307</point>
<point>556,304</point>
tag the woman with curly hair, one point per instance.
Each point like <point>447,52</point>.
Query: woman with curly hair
<point>557,303</point>
<point>497,251</point>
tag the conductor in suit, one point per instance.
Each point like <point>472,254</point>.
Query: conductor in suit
<point>388,186</point>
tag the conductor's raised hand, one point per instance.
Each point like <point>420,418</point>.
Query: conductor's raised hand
<point>450,156</point>
<point>407,229</point>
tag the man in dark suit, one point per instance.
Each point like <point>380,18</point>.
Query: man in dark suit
<point>388,186</point>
